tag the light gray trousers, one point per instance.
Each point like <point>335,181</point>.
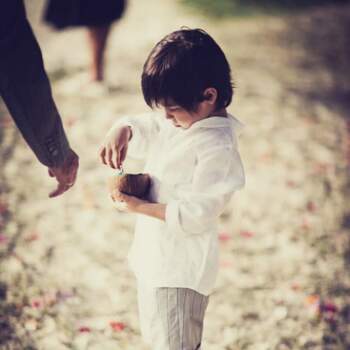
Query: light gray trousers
<point>171,318</point>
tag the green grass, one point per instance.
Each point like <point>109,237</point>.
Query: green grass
<point>238,8</point>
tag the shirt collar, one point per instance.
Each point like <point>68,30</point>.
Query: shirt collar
<point>220,122</point>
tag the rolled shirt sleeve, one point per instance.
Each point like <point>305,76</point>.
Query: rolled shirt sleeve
<point>218,174</point>
<point>145,128</point>
<point>25,87</point>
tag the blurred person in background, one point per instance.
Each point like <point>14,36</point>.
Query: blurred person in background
<point>26,91</point>
<point>96,16</point>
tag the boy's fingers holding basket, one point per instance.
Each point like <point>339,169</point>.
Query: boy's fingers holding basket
<point>117,196</point>
<point>110,157</point>
<point>107,155</point>
<point>119,161</point>
<point>114,158</point>
<point>121,156</point>
<point>103,154</point>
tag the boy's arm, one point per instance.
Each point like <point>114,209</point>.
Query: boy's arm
<point>145,128</point>
<point>218,174</point>
<point>197,211</point>
<point>139,206</point>
<point>156,210</point>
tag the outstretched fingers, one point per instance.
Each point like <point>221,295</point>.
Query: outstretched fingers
<point>61,188</point>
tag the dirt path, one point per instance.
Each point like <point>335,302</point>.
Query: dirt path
<point>283,282</point>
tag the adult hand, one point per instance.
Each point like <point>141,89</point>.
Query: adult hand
<point>115,146</point>
<point>65,174</point>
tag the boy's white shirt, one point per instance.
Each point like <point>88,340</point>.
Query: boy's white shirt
<point>195,172</point>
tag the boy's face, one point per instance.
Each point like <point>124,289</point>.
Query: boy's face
<point>183,118</point>
<point>180,117</point>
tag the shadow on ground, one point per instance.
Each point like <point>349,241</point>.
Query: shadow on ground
<point>323,35</point>
<point>237,8</point>
<point>11,311</point>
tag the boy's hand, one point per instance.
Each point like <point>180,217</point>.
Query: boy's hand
<point>115,146</point>
<point>133,204</point>
<point>126,203</point>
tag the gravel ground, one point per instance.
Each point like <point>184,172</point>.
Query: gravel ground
<point>284,281</point>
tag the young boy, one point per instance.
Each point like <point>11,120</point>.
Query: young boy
<point>192,157</point>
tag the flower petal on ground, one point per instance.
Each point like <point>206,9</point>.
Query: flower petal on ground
<point>247,234</point>
<point>3,239</point>
<point>84,329</point>
<point>117,326</point>
<point>224,236</point>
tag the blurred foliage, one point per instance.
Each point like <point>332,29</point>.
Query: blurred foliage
<point>324,34</point>
<point>227,8</point>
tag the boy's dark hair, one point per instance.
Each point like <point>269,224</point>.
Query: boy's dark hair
<point>181,66</point>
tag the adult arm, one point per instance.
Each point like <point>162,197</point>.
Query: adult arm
<point>26,91</point>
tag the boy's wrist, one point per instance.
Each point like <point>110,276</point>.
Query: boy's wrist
<point>156,210</point>
<point>141,206</point>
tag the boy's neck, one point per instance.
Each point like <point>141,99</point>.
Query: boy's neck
<point>217,113</point>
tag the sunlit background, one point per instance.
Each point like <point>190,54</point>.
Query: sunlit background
<point>285,251</point>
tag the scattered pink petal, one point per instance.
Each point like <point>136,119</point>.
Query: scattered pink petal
<point>348,125</point>
<point>328,306</point>
<point>347,140</point>
<point>46,300</point>
<point>49,299</point>
<point>314,309</point>
<point>6,121</point>
<point>295,286</point>
<point>306,224</point>
<point>3,207</point>
<point>224,236</point>
<point>266,157</point>
<point>291,183</point>
<point>328,311</point>
<point>3,239</point>
<point>348,157</point>
<point>117,326</point>
<point>247,234</point>
<point>64,295</point>
<point>312,300</point>
<point>225,263</point>
<point>321,168</point>
<point>330,318</point>
<point>309,121</point>
<point>37,304</point>
<point>34,236</point>
<point>70,121</point>
<point>311,206</point>
<point>84,329</point>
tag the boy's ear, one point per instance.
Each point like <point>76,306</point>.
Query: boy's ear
<point>210,95</point>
